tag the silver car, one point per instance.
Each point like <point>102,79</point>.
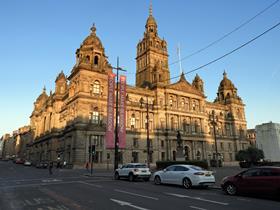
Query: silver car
<point>185,175</point>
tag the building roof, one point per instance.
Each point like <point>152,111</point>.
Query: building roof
<point>185,86</point>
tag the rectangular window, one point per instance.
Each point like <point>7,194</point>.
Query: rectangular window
<point>135,158</point>
<point>222,146</point>
<point>229,146</point>
<point>132,122</point>
<point>97,157</point>
<point>95,140</point>
<point>135,142</point>
<point>230,157</point>
<point>95,117</point>
<point>162,155</point>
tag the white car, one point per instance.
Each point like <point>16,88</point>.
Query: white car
<point>185,175</point>
<point>27,163</point>
<point>133,171</point>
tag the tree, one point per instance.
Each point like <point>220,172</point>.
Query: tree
<point>251,154</point>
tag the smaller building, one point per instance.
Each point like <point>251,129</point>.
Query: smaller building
<point>1,147</point>
<point>8,150</point>
<point>268,139</point>
<point>251,136</point>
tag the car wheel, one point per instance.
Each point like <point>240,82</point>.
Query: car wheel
<point>117,176</point>
<point>230,189</point>
<point>131,177</point>
<point>187,183</point>
<point>157,180</point>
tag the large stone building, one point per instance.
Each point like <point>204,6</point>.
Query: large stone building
<point>268,139</point>
<point>66,121</point>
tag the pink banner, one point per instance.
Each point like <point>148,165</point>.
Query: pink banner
<point>122,113</point>
<point>109,138</point>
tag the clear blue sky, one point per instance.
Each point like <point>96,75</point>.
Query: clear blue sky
<point>38,39</point>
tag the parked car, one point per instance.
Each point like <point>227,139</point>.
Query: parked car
<point>260,180</point>
<point>19,161</point>
<point>41,165</point>
<point>185,175</point>
<point>133,171</point>
<point>27,163</point>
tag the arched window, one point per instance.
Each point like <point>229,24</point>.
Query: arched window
<point>87,59</point>
<point>228,95</point>
<point>183,104</point>
<point>96,60</point>
<point>96,87</point>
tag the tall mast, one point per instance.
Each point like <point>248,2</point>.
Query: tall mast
<point>179,57</point>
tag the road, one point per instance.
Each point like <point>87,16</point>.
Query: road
<point>28,188</point>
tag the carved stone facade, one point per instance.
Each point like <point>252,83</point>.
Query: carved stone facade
<point>71,118</point>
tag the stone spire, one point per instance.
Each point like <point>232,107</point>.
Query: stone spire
<point>151,25</point>
<point>198,83</point>
<point>93,29</point>
<point>151,9</point>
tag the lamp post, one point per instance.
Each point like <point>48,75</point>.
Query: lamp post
<point>116,162</point>
<point>213,120</point>
<point>147,127</point>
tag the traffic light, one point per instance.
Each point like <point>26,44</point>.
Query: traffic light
<point>91,149</point>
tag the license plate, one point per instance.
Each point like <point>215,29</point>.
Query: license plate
<point>207,174</point>
<point>144,171</point>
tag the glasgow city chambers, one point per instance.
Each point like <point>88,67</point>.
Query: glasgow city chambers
<point>66,122</point>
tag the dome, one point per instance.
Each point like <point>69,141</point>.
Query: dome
<point>43,96</point>
<point>92,39</point>
<point>226,83</point>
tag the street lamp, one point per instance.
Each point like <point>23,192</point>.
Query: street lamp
<point>147,127</point>
<point>213,120</point>
<point>116,160</point>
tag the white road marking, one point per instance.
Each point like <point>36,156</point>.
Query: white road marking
<point>195,207</point>
<point>94,185</point>
<point>124,203</point>
<point>130,193</point>
<point>197,198</point>
<point>243,199</point>
<point>51,180</point>
<point>26,180</point>
<point>39,184</point>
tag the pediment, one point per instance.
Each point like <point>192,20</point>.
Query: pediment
<point>184,86</point>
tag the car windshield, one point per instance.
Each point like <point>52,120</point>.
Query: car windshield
<point>140,166</point>
<point>196,168</point>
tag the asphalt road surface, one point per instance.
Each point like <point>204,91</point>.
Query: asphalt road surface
<point>28,188</point>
